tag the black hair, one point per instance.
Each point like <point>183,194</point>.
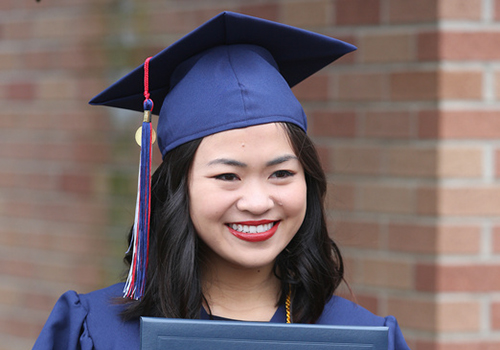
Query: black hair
<point>311,265</point>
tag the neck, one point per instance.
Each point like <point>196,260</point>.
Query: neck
<point>249,294</point>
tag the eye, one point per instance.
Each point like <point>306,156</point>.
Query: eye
<point>280,174</point>
<point>227,177</point>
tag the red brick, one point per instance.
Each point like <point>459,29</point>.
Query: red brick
<point>72,121</point>
<point>427,201</point>
<point>497,10</point>
<point>460,162</point>
<point>460,9</point>
<point>333,124</point>
<point>310,13</point>
<point>39,59</point>
<point>431,162</point>
<point>17,327</point>
<point>76,183</point>
<point>340,196</point>
<point>368,302</point>
<point>387,48</point>
<point>76,57</point>
<point>381,198</point>
<point>171,21</point>
<point>471,201</point>
<point>266,11</point>
<point>356,160</point>
<point>17,30</point>
<point>496,239</point>
<point>414,313</point>
<point>57,88</point>
<point>461,85</point>
<point>459,201</point>
<point>458,278</point>
<point>8,60</point>
<point>324,157</point>
<point>457,45</point>
<point>357,234</point>
<point>388,274</point>
<point>445,316</point>
<point>428,46</point>
<point>388,124</point>
<point>28,181</point>
<point>362,87</point>
<point>21,91</point>
<point>409,161</point>
<point>78,152</point>
<point>457,345</point>
<point>414,86</point>
<point>434,239</point>
<point>356,12</point>
<point>412,11</point>
<point>473,124</point>
<point>352,270</point>
<point>77,211</point>
<point>70,243</point>
<point>314,88</point>
<point>495,315</point>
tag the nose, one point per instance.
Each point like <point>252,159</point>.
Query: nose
<point>255,198</point>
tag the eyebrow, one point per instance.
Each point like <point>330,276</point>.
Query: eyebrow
<point>281,159</point>
<point>232,162</point>
<point>226,161</point>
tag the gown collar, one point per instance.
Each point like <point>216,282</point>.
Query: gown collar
<point>278,317</point>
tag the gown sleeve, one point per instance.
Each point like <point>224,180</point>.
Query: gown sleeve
<point>396,339</point>
<point>66,327</point>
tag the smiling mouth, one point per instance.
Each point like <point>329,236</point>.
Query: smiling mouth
<point>254,231</point>
<point>252,228</point>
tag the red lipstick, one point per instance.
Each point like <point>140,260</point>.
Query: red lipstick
<point>255,237</point>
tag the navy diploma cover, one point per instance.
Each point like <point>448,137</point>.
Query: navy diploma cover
<point>180,334</point>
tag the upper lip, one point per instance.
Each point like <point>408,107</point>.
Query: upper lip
<point>253,222</point>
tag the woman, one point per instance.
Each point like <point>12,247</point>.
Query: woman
<point>235,227</point>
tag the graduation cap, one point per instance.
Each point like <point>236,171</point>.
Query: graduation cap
<point>232,72</point>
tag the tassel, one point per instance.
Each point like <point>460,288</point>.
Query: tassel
<point>139,244</point>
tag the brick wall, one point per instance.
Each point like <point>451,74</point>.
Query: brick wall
<point>58,203</point>
<point>412,154</point>
<point>406,127</point>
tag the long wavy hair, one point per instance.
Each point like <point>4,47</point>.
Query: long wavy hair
<point>310,267</point>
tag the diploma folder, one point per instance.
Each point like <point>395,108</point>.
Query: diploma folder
<point>180,334</point>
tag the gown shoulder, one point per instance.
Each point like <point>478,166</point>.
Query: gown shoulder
<point>89,321</point>
<point>342,312</point>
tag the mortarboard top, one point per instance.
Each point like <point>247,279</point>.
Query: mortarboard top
<point>233,71</point>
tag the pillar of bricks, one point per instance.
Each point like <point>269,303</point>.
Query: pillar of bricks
<point>407,129</point>
<point>58,170</point>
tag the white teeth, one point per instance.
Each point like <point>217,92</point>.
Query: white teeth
<point>252,229</point>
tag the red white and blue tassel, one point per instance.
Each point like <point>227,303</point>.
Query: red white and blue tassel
<point>139,244</point>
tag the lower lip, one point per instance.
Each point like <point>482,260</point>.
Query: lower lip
<point>255,237</point>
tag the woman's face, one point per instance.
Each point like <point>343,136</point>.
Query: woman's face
<point>247,195</point>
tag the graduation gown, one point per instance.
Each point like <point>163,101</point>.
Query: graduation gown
<point>92,321</point>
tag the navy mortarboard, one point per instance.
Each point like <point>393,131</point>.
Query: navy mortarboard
<point>232,72</point>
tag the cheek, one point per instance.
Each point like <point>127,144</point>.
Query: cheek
<point>206,204</point>
<point>295,201</point>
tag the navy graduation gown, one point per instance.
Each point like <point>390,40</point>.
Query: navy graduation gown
<point>92,321</point>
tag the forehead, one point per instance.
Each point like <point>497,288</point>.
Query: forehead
<point>250,142</point>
